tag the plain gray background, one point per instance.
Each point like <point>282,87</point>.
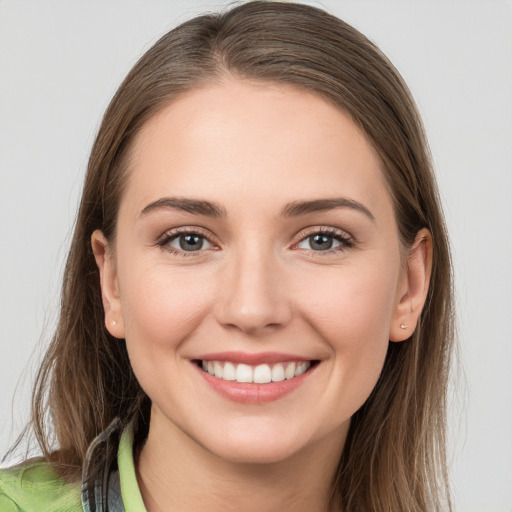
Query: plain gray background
<point>60,63</point>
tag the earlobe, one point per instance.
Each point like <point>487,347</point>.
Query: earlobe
<point>414,288</point>
<point>109,285</point>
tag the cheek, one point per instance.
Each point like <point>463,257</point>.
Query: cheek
<point>162,306</point>
<point>357,303</point>
<point>352,312</point>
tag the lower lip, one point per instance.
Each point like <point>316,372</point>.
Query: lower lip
<point>249,393</point>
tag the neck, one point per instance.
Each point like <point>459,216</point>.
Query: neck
<point>176,474</point>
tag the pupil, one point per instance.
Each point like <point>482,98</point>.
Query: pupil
<point>321,242</point>
<point>191,242</point>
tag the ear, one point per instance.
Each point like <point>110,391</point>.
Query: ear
<point>109,285</point>
<point>413,288</point>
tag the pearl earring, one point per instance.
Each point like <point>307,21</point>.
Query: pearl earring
<point>403,326</point>
<point>114,322</point>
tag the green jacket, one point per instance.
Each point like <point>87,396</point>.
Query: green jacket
<point>35,487</point>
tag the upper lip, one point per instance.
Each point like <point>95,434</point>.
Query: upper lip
<point>252,359</point>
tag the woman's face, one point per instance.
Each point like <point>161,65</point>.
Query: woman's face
<point>256,238</point>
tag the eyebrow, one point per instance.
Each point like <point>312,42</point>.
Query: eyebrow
<point>297,208</point>
<point>293,209</point>
<point>196,206</point>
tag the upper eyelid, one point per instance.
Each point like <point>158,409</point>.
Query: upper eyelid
<point>164,241</point>
<point>346,240</point>
<point>307,232</point>
<point>171,233</point>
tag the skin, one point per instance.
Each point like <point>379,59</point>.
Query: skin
<point>257,285</point>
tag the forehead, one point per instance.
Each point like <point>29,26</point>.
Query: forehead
<point>243,141</point>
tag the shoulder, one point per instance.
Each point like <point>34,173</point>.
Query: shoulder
<point>34,486</point>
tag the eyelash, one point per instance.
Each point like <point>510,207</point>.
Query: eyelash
<point>346,241</point>
<point>170,236</point>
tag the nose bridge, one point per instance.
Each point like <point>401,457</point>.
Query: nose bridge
<point>252,295</point>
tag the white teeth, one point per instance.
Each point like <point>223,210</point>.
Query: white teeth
<point>301,368</point>
<point>289,373</point>
<point>277,373</point>
<point>260,374</point>
<point>229,371</point>
<point>243,373</point>
<point>219,370</point>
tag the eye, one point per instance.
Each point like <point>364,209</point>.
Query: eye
<point>185,242</point>
<point>324,241</point>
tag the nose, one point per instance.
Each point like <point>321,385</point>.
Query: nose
<point>252,294</point>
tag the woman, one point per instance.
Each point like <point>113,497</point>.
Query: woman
<point>256,306</point>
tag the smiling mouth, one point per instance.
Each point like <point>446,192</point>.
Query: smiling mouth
<point>258,374</point>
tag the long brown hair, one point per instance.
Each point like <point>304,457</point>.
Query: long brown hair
<point>394,457</point>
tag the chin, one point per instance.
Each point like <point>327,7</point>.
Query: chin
<point>269,452</point>
<point>258,443</point>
